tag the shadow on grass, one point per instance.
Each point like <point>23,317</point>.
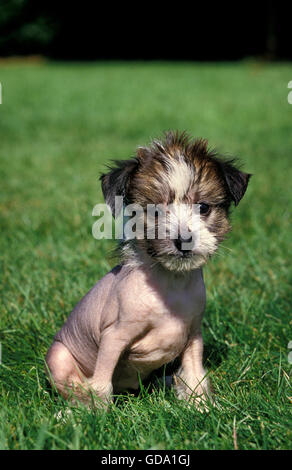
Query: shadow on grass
<point>214,354</point>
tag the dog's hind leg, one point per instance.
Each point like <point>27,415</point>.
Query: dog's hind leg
<point>63,371</point>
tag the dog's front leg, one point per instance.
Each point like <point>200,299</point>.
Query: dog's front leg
<point>190,380</point>
<point>111,346</point>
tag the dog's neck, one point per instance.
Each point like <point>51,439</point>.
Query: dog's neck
<point>178,280</point>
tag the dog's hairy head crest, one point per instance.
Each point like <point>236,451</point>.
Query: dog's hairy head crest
<point>179,170</point>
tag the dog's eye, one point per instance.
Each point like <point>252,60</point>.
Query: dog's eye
<point>204,208</point>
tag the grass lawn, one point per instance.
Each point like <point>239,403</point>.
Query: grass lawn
<point>59,125</point>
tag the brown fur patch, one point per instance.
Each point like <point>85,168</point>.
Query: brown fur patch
<point>181,170</point>
<point>149,184</point>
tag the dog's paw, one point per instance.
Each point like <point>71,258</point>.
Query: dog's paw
<point>95,394</point>
<point>198,395</point>
<point>104,392</point>
<point>203,403</point>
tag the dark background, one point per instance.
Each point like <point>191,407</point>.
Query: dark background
<point>178,31</point>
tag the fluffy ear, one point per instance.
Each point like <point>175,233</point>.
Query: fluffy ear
<point>235,179</point>
<point>116,182</point>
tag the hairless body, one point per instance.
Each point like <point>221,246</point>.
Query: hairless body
<point>130,323</point>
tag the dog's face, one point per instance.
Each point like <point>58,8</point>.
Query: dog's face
<point>194,189</point>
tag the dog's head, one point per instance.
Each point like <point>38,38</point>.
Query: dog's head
<point>193,188</point>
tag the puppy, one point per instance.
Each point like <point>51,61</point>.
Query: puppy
<point>148,310</point>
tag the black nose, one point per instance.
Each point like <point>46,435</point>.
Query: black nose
<point>179,241</point>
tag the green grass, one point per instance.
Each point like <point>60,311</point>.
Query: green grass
<point>59,125</point>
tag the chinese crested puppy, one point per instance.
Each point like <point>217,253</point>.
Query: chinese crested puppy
<point>147,311</point>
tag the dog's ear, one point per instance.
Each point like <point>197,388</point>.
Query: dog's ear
<point>116,182</point>
<point>235,179</point>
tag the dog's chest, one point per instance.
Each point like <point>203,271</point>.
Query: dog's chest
<point>169,326</point>
<point>167,313</point>
<point>160,345</point>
